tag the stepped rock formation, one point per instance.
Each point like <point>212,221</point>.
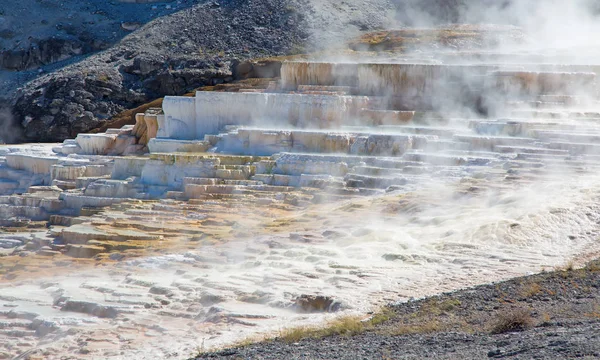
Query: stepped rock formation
<point>339,187</point>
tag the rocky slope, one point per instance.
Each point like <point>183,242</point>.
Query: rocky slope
<point>552,315</point>
<point>184,44</point>
<point>174,54</point>
<point>35,33</point>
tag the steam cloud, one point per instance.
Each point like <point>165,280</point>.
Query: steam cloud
<point>9,132</point>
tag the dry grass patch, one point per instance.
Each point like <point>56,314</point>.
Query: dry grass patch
<point>513,320</point>
<point>593,266</point>
<point>428,327</point>
<point>595,313</point>
<point>434,306</point>
<point>384,315</point>
<point>433,315</point>
<point>530,289</point>
<point>342,326</point>
<point>345,326</point>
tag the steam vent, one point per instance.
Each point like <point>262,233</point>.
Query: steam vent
<point>340,186</point>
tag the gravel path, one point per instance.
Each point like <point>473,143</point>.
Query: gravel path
<point>552,315</point>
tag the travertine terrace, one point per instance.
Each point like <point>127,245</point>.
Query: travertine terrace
<point>362,182</point>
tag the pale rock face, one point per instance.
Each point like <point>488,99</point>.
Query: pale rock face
<point>296,73</point>
<point>31,163</point>
<point>151,125</point>
<point>180,117</point>
<point>535,83</point>
<point>157,172</point>
<point>96,144</point>
<point>160,145</point>
<point>60,172</point>
<point>214,110</point>
<point>8,186</point>
<point>29,212</point>
<point>161,123</point>
<point>121,144</point>
<point>125,167</point>
<point>383,145</point>
<point>108,188</point>
<point>298,165</point>
<point>76,201</point>
<point>99,170</point>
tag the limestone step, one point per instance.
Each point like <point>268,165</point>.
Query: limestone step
<point>521,164</point>
<point>530,150</point>
<point>549,114</point>
<point>84,182</point>
<point>163,145</point>
<point>489,142</point>
<point>65,184</point>
<point>448,160</point>
<point>192,190</point>
<point>373,182</point>
<point>251,90</point>
<point>346,89</point>
<point>330,93</point>
<point>535,83</point>
<point>109,188</point>
<point>83,251</point>
<point>391,163</point>
<point>442,132</point>
<point>213,181</point>
<point>556,102</point>
<point>509,128</point>
<point>110,246</point>
<point>96,144</point>
<point>176,195</point>
<point>200,198</point>
<point>304,180</point>
<point>78,201</point>
<point>8,186</point>
<point>99,170</point>
<point>267,188</point>
<point>385,117</point>
<point>50,204</point>
<point>545,157</point>
<point>515,127</point>
<point>82,233</point>
<point>44,189</point>
<point>563,99</point>
<point>26,212</point>
<point>442,145</point>
<point>351,139</point>
<point>574,137</point>
<point>61,172</point>
<point>208,158</point>
<point>235,172</point>
<point>64,220</point>
<point>576,148</point>
<point>374,171</point>
<point>31,163</point>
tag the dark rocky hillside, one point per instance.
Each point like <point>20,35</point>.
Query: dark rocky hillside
<point>174,54</point>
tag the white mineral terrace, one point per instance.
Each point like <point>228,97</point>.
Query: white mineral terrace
<point>206,223</point>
